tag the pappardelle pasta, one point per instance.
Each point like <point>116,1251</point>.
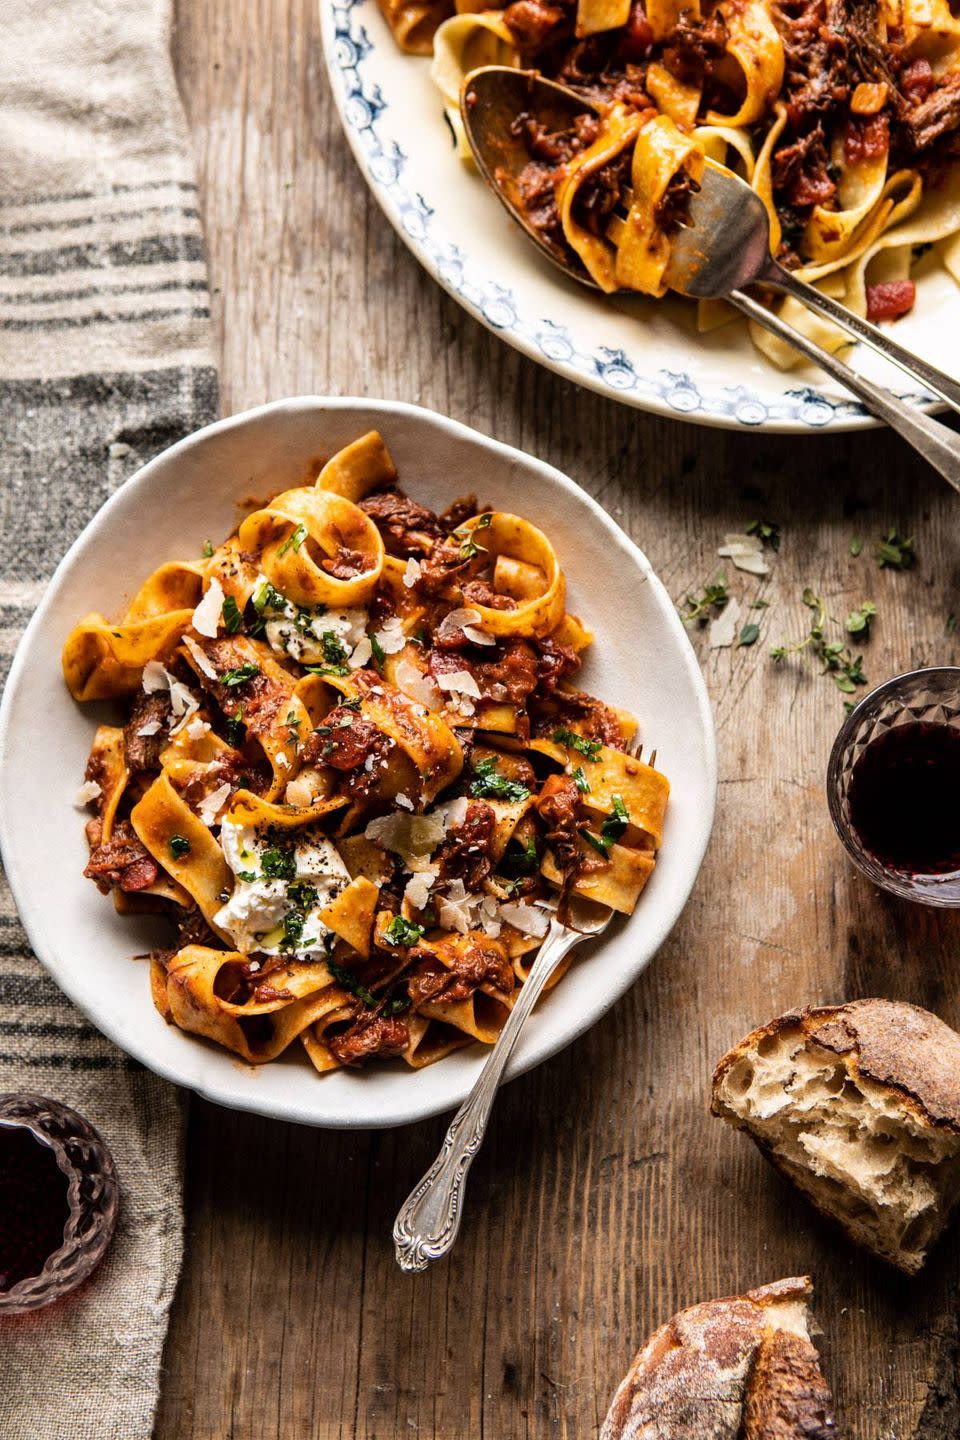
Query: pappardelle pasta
<point>843,115</point>
<point>354,771</point>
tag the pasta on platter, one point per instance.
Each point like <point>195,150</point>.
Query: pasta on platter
<point>353,770</point>
<point>843,115</point>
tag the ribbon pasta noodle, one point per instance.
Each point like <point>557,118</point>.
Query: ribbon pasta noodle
<point>837,115</point>
<point>353,770</point>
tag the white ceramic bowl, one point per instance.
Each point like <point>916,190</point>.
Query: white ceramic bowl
<point>642,659</point>
<point>641,352</point>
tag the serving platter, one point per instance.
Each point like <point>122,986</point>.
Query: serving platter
<point>644,353</point>
<point>641,659</point>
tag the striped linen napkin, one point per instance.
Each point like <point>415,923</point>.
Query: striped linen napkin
<point>104,360</point>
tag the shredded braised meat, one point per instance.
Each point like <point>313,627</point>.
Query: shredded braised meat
<point>558,805</point>
<point>121,861</point>
<point>448,971</point>
<point>371,1036</point>
<point>346,564</point>
<point>407,528</point>
<point>346,742</point>
<point>465,852</point>
<point>142,752</point>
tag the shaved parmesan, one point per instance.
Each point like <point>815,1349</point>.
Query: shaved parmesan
<point>454,812</point>
<point>412,573</point>
<point>298,792</point>
<point>390,637</point>
<point>183,702</point>
<point>206,617</point>
<point>453,909</point>
<point>417,890</point>
<point>88,791</point>
<point>404,802</point>
<point>528,919</point>
<point>361,654</point>
<point>417,685</point>
<point>150,727</point>
<point>746,552</point>
<point>459,682</point>
<point>723,630</point>
<point>281,760</point>
<point>196,729</point>
<point>466,622</point>
<point>406,834</point>
<point>210,806</point>
<point>202,663</point>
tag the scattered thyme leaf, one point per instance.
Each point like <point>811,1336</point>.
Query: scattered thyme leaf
<point>858,621</point>
<point>207,549</point>
<point>768,531</point>
<point>749,635</point>
<point>713,597</point>
<point>844,668</point>
<point>895,553</point>
<point>856,546</point>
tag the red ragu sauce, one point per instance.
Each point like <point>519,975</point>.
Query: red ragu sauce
<point>33,1205</point>
<point>905,798</point>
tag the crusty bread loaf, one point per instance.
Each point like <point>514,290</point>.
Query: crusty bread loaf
<point>741,1368</point>
<point>858,1105</point>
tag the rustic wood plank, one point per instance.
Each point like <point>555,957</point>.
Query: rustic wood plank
<point>605,1197</point>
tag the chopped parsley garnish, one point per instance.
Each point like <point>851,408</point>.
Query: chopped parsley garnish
<point>240,676</point>
<point>522,858</point>
<point>581,781</point>
<point>895,553</point>
<point>266,598</point>
<point>278,864</point>
<point>379,654</point>
<point>304,897</point>
<point>397,1005</point>
<point>179,846</point>
<point>294,540</point>
<point>349,982</point>
<point>767,531</point>
<point>232,616</point>
<point>402,932</point>
<point>713,597</point>
<point>749,635</point>
<point>247,875</point>
<point>489,784</point>
<point>589,749</point>
<point>334,650</point>
<point>207,549</point>
<point>293,923</point>
<point>341,670</point>
<point>611,829</point>
<point>469,548</point>
<point>236,730</point>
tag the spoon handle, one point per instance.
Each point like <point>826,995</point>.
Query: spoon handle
<point>429,1219</point>
<point>926,375</point>
<point>934,441</point>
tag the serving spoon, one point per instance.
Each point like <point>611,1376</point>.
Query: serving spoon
<point>724,247</point>
<point>429,1219</point>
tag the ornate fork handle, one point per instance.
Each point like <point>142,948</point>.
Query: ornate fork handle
<point>429,1219</point>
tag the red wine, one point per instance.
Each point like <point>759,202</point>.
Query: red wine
<point>905,798</point>
<point>33,1204</point>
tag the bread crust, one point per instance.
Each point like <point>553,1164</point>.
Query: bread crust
<point>900,1046</point>
<point>722,1370</point>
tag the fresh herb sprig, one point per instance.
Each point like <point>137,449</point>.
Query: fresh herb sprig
<point>767,531</point>
<point>843,667</point>
<point>895,553</point>
<point>714,596</point>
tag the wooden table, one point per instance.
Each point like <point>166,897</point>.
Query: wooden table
<point>605,1198</point>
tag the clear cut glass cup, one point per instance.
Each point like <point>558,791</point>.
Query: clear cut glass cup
<point>93,1198</point>
<point>932,696</point>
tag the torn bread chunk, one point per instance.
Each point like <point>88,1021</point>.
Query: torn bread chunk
<point>858,1105</point>
<point>740,1368</point>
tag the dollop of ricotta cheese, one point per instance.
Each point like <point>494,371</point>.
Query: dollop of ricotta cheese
<point>300,634</point>
<point>273,915</point>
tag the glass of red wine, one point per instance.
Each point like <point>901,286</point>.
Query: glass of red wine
<point>893,784</point>
<point>58,1201</point>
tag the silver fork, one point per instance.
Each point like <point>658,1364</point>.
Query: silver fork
<point>429,1219</point>
<point>725,247</point>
